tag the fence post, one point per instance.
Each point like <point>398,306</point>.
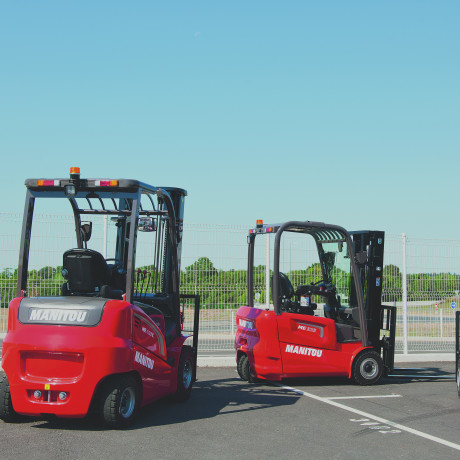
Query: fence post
<point>441,322</point>
<point>267,271</point>
<point>404,295</point>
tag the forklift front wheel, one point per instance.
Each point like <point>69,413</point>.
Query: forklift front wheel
<point>119,402</point>
<point>184,375</point>
<point>7,413</point>
<point>367,368</point>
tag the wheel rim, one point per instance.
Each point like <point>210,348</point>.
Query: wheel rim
<point>187,374</point>
<point>369,368</point>
<point>127,402</point>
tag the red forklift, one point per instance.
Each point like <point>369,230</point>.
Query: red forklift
<point>354,334</point>
<point>110,339</point>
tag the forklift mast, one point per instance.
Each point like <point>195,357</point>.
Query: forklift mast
<point>369,246</point>
<point>177,196</point>
<point>369,250</point>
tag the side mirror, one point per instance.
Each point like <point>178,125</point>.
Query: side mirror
<point>146,224</point>
<point>85,232</point>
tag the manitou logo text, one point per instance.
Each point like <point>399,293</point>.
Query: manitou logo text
<point>56,315</point>
<point>143,360</point>
<point>303,351</point>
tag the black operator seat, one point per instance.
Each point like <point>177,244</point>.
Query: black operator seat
<point>287,292</point>
<point>286,289</point>
<point>86,271</point>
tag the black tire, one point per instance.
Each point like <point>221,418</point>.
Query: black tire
<point>243,368</point>
<point>458,378</point>
<point>185,374</point>
<point>119,402</point>
<point>7,412</point>
<point>367,368</point>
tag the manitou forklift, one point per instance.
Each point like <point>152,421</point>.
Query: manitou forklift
<point>111,341</point>
<point>292,338</point>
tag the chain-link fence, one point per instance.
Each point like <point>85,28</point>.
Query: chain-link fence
<point>421,277</point>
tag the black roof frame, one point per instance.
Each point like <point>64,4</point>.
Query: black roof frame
<point>127,189</point>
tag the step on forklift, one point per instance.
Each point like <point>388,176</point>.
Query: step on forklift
<point>353,336</point>
<point>112,340</point>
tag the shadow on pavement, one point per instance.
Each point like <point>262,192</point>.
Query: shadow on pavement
<point>209,399</point>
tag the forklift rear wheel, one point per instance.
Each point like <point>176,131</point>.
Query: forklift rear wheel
<point>367,368</point>
<point>244,371</point>
<point>7,413</point>
<point>184,374</point>
<point>119,402</point>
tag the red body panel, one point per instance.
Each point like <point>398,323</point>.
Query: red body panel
<point>76,359</point>
<point>292,345</point>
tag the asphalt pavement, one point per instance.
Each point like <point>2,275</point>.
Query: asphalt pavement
<point>413,415</point>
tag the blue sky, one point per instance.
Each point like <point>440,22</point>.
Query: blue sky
<point>343,112</point>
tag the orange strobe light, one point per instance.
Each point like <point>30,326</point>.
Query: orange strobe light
<point>259,223</point>
<point>74,173</point>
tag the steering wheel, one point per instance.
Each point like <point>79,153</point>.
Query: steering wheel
<point>118,263</point>
<point>311,288</point>
<point>323,281</point>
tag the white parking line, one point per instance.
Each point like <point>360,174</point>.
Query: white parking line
<point>364,397</point>
<point>410,368</point>
<point>415,376</point>
<point>371,416</point>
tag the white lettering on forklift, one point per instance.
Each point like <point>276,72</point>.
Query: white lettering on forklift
<point>307,328</point>
<point>146,331</point>
<point>143,360</point>
<point>298,350</point>
<point>56,315</point>
<point>245,323</point>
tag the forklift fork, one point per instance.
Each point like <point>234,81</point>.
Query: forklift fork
<point>388,323</point>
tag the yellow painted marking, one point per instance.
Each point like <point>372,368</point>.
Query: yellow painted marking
<point>47,386</point>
